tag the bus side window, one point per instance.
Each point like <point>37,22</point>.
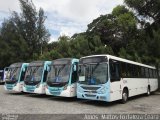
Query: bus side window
<point>45,76</point>
<point>155,73</point>
<point>129,70</point>
<point>150,73</point>
<point>123,70</point>
<point>146,73</point>
<point>114,70</point>
<point>74,73</point>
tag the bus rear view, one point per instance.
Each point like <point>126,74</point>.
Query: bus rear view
<point>35,77</point>
<point>14,79</point>
<point>62,78</point>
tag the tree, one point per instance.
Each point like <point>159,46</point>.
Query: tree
<point>23,36</point>
<point>13,47</point>
<point>31,24</point>
<point>147,11</point>
<point>145,8</point>
<point>116,29</point>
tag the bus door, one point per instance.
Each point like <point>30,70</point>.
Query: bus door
<point>74,78</point>
<point>115,84</point>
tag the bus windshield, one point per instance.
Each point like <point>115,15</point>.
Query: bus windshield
<point>12,74</point>
<point>59,73</point>
<point>34,73</point>
<point>93,74</point>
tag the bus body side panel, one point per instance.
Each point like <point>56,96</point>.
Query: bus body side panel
<point>70,91</point>
<point>137,86</point>
<point>115,90</point>
<point>153,84</point>
<point>40,89</point>
<point>73,86</point>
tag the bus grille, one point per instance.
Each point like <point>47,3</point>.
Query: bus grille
<point>90,88</point>
<point>30,88</point>
<point>55,92</point>
<point>91,91</point>
<point>9,88</point>
<point>88,95</point>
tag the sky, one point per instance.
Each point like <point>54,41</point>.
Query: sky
<point>64,17</point>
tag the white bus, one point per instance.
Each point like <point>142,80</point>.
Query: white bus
<point>109,78</point>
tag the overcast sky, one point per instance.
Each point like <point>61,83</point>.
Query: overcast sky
<point>64,17</point>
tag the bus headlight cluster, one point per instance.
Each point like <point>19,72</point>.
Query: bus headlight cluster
<point>65,87</point>
<point>37,86</point>
<point>79,88</point>
<point>101,90</point>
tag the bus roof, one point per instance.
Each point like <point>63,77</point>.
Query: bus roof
<point>120,59</point>
<point>63,60</point>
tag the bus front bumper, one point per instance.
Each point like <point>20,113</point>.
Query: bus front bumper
<point>91,96</point>
<point>58,92</point>
<point>33,89</point>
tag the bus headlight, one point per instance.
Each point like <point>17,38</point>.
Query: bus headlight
<point>101,90</point>
<point>79,89</point>
<point>37,86</point>
<point>65,87</point>
<point>15,83</point>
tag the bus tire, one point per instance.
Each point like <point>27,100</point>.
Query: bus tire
<point>124,96</point>
<point>148,91</point>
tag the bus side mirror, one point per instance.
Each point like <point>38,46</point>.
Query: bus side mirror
<point>74,67</point>
<point>48,68</point>
<point>23,69</point>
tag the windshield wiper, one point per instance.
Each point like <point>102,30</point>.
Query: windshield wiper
<point>61,69</point>
<point>95,68</point>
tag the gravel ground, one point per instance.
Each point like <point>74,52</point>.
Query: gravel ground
<point>23,103</point>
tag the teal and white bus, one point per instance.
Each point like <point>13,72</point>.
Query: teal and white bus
<point>1,76</point>
<point>14,78</point>
<point>62,77</point>
<point>109,78</point>
<point>35,77</point>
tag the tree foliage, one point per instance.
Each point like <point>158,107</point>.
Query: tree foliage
<point>130,31</point>
<point>23,36</point>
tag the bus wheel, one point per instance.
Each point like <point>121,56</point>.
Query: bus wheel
<point>148,91</point>
<point>124,96</point>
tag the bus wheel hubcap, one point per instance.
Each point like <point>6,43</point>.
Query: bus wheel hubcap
<point>125,96</point>
<point>148,91</point>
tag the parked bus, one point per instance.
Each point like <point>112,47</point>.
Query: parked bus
<point>1,76</point>
<point>62,77</point>
<point>109,78</point>
<point>14,76</point>
<point>35,77</point>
